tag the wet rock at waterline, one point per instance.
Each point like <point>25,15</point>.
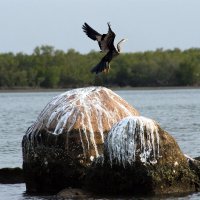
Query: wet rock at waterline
<point>140,157</point>
<point>74,193</point>
<point>11,175</point>
<point>67,135</point>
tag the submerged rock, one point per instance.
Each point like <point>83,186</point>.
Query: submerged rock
<point>67,135</point>
<point>141,158</point>
<point>11,175</point>
<point>73,193</point>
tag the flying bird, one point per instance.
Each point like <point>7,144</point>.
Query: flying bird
<point>106,44</point>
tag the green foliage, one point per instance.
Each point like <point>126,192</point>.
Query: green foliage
<point>50,68</point>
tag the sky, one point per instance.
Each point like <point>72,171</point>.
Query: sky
<point>147,24</point>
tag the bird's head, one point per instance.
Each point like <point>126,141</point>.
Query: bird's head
<point>120,43</point>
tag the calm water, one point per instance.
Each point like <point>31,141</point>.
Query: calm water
<point>176,110</point>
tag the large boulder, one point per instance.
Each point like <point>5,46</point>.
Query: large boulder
<point>67,135</point>
<point>141,158</point>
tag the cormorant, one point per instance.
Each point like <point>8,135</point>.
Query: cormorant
<point>106,44</point>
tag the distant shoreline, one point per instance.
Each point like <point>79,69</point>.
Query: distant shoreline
<point>27,90</point>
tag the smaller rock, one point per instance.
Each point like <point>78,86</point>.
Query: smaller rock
<point>11,175</point>
<point>133,139</point>
<point>141,158</point>
<point>74,193</point>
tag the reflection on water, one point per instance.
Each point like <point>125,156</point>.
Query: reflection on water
<point>176,110</point>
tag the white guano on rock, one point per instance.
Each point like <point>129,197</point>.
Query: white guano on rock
<point>133,137</point>
<point>89,110</point>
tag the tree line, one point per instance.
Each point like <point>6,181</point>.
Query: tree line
<point>47,67</point>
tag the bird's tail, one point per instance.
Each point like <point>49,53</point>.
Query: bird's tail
<point>103,66</point>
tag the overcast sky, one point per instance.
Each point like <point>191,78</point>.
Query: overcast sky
<point>148,24</point>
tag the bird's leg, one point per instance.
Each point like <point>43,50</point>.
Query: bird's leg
<point>106,70</point>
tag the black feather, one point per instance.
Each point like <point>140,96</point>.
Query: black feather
<point>100,67</point>
<point>90,32</point>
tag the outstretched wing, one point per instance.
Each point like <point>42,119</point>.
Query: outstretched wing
<point>90,32</point>
<point>105,41</point>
